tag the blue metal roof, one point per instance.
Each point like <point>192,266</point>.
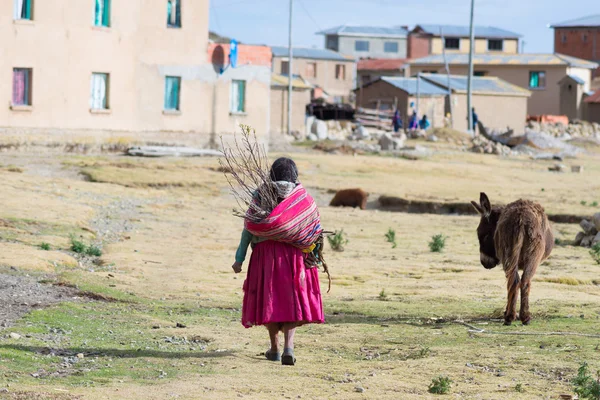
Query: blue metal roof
<point>506,59</point>
<point>372,31</point>
<point>577,79</point>
<point>409,85</point>
<point>304,52</point>
<point>488,85</point>
<point>589,21</point>
<point>463,31</point>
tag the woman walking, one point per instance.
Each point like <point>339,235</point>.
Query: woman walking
<point>282,290</point>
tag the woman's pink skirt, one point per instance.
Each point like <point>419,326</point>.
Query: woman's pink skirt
<point>279,288</point>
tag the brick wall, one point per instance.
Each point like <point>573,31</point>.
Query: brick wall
<point>571,42</point>
<point>418,46</point>
<point>247,54</point>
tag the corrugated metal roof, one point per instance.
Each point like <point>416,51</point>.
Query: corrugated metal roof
<point>409,85</point>
<point>590,20</point>
<point>305,52</point>
<point>577,79</point>
<point>283,80</point>
<point>506,59</point>
<point>594,98</point>
<point>463,31</point>
<point>488,85</point>
<point>374,31</point>
<point>381,64</point>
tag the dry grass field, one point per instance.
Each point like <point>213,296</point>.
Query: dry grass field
<point>392,317</point>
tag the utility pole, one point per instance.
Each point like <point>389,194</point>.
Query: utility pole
<point>418,93</point>
<point>451,107</point>
<point>290,73</point>
<point>470,77</point>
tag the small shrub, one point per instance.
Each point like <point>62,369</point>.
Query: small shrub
<point>337,240</point>
<point>594,204</point>
<point>440,385</point>
<point>383,295</point>
<point>585,385</point>
<point>77,246</point>
<point>519,388</point>
<point>94,251</point>
<point>45,246</point>
<point>437,244</point>
<point>390,237</point>
<point>583,202</point>
<point>595,252</point>
<point>557,241</point>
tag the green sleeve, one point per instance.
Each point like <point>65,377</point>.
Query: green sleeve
<point>240,254</point>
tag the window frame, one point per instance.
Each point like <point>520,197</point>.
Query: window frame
<point>105,21</point>
<point>167,107</point>
<point>27,90</point>
<point>311,66</point>
<point>446,41</point>
<point>490,41</point>
<point>178,12</point>
<point>563,38</point>
<point>232,107</point>
<point>28,6</point>
<point>385,47</point>
<point>286,70</point>
<point>541,77</point>
<point>106,105</point>
<point>363,42</point>
<point>340,70</point>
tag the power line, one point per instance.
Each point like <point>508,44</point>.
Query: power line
<point>309,15</point>
<point>214,12</point>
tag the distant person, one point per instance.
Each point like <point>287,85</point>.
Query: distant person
<point>413,123</point>
<point>397,121</point>
<point>475,119</point>
<point>424,123</point>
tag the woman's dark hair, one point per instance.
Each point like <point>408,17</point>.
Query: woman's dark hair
<point>284,169</point>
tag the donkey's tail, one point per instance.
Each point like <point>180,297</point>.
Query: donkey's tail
<point>509,252</point>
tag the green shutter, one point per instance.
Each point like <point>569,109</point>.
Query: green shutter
<point>241,86</point>
<point>175,94</point>
<point>106,14</point>
<point>27,7</point>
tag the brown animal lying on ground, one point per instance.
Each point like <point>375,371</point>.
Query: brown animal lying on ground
<point>350,198</point>
<point>518,236</point>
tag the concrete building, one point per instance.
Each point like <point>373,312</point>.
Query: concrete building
<point>498,103</point>
<point>333,72</point>
<point>579,38</point>
<point>367,41</point>
<point>371,69</point>
<point>425,40</point>
<point>279,101</point>
<point>539,73</point>
<point>121,68</point>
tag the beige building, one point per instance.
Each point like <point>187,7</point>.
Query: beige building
<point>539,73</point>
<point>120,67</point>
<point>498,103</point>
<point>325,69</point>
<point>279,103</point>
<point>426,40</point>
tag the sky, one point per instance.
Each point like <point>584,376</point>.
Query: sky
<point>266,21</point>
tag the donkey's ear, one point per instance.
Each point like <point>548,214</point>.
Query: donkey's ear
<point>477,207</point>
<point>485,204</point>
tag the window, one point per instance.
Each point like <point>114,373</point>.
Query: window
<point>584,38</point>
<point>238,97</point>
<point>390,47</point>
<point>430,72</point>
<point>452,43</point>
<point>99,91</point>
<point>174,13</point>
<point>340,72</point>
<point>480,73</point>
<point>21,87</point>
<point>102,13</point>
<point>23,9</point>
<point>311,70</point>
<point>537,79</point>
<point>172,93</point>
<point>495,45</point>
<point>332,43</point>
<point>361,45</point>
<point>285,68</point>
<point>564,38</point>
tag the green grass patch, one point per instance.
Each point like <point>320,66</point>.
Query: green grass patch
<point>440,385</point>
<point>437,244</point>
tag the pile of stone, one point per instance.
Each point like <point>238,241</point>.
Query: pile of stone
<point>566,132</point>
<point>484,146</point>
<point>317,129</point>
<point>590,236</point>
<point>389,143</point>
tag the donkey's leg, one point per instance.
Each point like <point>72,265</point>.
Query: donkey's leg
<point>512,285</point>
<point>528,272</point>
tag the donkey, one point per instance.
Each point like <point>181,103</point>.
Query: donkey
<point>520,237</point>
